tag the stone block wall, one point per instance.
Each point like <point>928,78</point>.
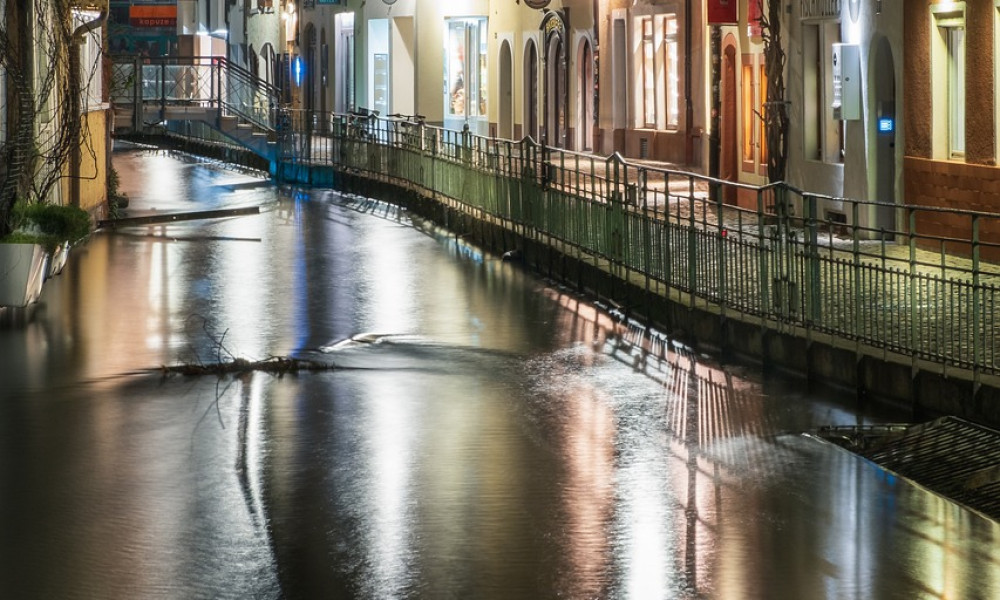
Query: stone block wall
<point>960,187</point>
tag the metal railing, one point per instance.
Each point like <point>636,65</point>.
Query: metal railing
<point>790,258</point>
<point>211,82</point>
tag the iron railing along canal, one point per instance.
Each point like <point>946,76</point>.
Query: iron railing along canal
<point>791,258</point>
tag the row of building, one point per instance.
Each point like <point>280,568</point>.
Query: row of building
<point>681,81</point>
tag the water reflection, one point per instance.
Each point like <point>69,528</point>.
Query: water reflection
<point>502,439</point>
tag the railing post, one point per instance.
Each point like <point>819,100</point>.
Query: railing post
<point>856,256</point>
<point>692,244</point>
<point>137,99</point>
<point>914,282</point>
<point>763,276</point>
<point>163,89</point>
<point>721,234</point>
<point>813,295</point>
<point>977,358</point>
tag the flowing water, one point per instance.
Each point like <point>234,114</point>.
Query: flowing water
<point>480,433</point>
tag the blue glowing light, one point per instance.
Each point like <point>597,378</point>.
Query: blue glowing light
<point>298,70</point>
<point>886,125</point>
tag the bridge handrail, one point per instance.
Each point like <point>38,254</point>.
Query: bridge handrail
<point>205,80</point>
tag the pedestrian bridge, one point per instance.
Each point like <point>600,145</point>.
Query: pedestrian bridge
<point>784,277</point>
<point>147,93</point>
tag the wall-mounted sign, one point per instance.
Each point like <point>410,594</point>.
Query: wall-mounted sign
<point>723,12</point>
<point>153,15</point>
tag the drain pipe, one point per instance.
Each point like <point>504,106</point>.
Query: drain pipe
<point>76,116</point>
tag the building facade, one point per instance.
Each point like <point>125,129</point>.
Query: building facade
<point>951,117</point>
<point>844,70</point>
<point>54,114</point>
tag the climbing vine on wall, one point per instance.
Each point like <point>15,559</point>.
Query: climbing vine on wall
<point>41,104</point>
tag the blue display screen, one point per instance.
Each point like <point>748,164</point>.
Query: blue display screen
<point>886,125</point>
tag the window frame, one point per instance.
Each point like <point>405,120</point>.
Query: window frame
<point>656,71</point>
<point>948,82</point>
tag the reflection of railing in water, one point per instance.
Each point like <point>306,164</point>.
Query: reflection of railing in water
<point>791,259</point>
<point>727,421</point>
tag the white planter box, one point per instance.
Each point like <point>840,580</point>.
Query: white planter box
<point>58,260</point>
<point>23,268</point>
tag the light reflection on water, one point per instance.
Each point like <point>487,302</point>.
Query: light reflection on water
<point>505,440</point>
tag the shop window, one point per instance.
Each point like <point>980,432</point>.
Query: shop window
<point>465,68</point>
<point>749,117</point>
<point>648,73</point>
<point>672,76</point>
<point>762,110</point>
<point>658,77</point>
<point>948,80</point>
<point>956,91</point>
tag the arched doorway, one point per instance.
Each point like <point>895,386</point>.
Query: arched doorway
<point>556,97</point>
<point>531,90</point>
<point>728,157</point>
<point>585,96</point>
<point>506,106</point>
<point>885,131</point>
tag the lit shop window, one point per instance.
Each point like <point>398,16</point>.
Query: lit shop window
<point>658,70</point>
<point>762,93</point>
<point>956,91</point>
<point>749,117</point>
<point>465,68</point>
<point>948,80</point>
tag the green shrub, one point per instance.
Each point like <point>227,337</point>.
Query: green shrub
<point>64,222</point>
<point>48,225</point>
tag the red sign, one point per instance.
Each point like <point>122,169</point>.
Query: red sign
<point>153,15</point>
<point>724,12</point>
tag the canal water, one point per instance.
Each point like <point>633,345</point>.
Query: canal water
<point>480,433</point>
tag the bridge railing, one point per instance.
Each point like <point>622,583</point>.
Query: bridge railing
<point>791,258</point>
<point>200,81</point>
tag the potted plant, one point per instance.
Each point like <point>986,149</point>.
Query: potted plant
<point>37,248</point>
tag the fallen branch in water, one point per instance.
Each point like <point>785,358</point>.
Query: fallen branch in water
<point>276,365</point>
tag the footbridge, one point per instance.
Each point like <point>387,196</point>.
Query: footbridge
<point>149,94</point>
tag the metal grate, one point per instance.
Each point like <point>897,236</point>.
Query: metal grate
<point>953,457</point>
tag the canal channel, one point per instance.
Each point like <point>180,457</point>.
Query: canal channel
<point>479,433</point>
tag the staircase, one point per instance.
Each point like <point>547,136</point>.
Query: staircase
<point>149,93</point>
